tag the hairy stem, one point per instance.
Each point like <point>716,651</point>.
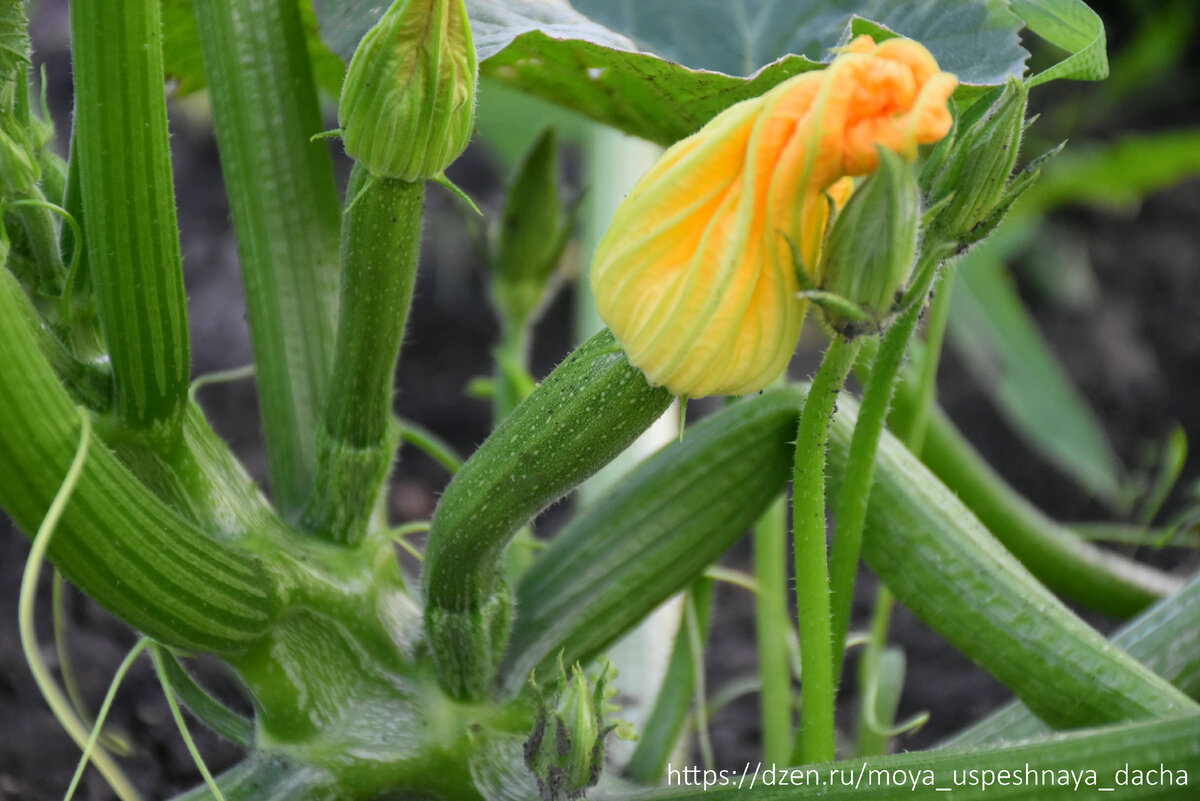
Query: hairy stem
<point>815,742</point>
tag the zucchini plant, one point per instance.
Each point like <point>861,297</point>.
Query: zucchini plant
<point>835,172</point>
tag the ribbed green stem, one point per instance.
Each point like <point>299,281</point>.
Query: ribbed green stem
<point>381,239</point>
<point>1076,569</point>
<point>116,541</point>
<point>1153,638</point>
<point>129,202</point>
<point>948,570</point>
<point>850,511</point>
<point>773,625</point>
<point>815,740</point>
<point>285,210</point>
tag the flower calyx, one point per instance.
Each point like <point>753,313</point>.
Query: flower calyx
<point>968,176</point>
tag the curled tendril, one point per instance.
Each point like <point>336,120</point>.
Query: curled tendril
<point>55,698</point>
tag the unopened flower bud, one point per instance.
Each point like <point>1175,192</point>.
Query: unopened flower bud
<point>565,752</point>
<point>871,247</point>
<point>532,234</point>
<point>408,102</point>
<point>969,173</point>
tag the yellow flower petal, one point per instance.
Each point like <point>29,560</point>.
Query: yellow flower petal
<point>695,275</point>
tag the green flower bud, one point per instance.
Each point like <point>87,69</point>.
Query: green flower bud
<point>408,103</point>
<point>968,172</point>
<point>532,235</point>
<point>565,752</point>
<point>871,247</point>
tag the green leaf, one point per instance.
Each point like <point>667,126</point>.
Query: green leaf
<point>686,77</point>
<point>975,39</point>
<point>1011,361</point>
<point>1074,27</point>
<point>494,23</point>
<point>637,93</point>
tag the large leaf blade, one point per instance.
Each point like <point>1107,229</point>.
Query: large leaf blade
<point>975,39</point>
<point>1073,26</point>
<point>688,71</point>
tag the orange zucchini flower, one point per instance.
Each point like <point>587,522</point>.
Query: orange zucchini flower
<point>695,275</point>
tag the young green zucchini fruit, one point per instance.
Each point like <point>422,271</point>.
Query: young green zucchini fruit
<point>658,529</point>
<point>586,412</point>
<point>630,552</point>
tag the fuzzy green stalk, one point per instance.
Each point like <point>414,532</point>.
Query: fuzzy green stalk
<point>284,206</point>
<point>381,233</point>
<point>815,740</point>
<point>129,203</point>
<point>850,511</point>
